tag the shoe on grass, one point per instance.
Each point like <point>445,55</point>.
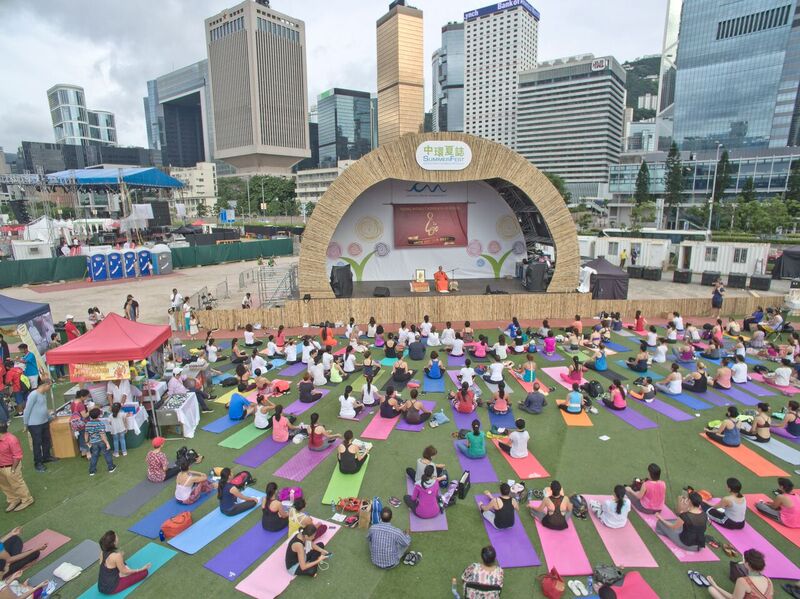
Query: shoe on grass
<point>24,504</point>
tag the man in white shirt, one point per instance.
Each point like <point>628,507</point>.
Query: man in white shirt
<point>176,299</point>
<point>782,375</point>
<point>519,441</point>
<point>247,302</point>
<point>739,371</point>
<point>257,362</point>
<point>118,391</point>
<point>425,327</point>
<point>467,374</point>
<point>272,348</point>
<point>495,374</point>
<point>448,335</point>
<point>457,348</point>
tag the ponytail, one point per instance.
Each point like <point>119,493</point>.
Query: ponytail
<point>619,493</point>
<point>347,391</point>
<point>223,480</point>
<point>278,412</point>
<point>476,427</point>
<point>270,491</point>
<point>115,408</point>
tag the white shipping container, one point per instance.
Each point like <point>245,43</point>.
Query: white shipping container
<point>723,257</point>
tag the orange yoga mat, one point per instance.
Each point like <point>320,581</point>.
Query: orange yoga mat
<point>527,467</point>
<point>749,459</point>
<point>793,534</point>
<point>528,386</point>
<point>581,419</point>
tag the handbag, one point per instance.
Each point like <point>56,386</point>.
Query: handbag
<point>736,570</point>
<point>552,584</point>
<point>350,504</point>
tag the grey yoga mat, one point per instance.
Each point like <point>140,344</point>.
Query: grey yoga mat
<point>82,555</point>
<point>778,449</point>
<point>126,504</point>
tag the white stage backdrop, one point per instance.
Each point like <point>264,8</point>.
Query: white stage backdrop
<point>365,236</point>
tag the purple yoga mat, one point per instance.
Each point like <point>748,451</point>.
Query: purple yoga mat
<point>260,453</point>
<point>424,524</point>
<point>556,357</point>
<point>303,463</point>
<point>782,432</point>
<point>415,428</point>
<point>244,552</point>
<point>738,395</point>
<point>459,419</point>
<point>294,369</point>
<point>512,545</point>
<point>457,361</point>
<point>480,470</point>
<point>756,390</point>
<point>669,411</point>
<point>635,419</point>
<point>712,398</point>
<point>778,565</point>
<point>297,407</point>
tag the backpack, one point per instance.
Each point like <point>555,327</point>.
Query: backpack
<point>580,508</point>
<point>377,507</point>
<point>464,484</point>
<point>607,574</point>
<point>594,389</point>
<point>242,479</point>
<point>553,585</point>
<point>24,383</point>
<point>176,525</point>
<point>230,381</point>
<point>286,493</point>
<point>185,454</point>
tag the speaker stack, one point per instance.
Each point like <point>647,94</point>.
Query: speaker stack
<point>737,280</point>
<point>709,276</point>
<point>682,276</point>
<point>761,282</point>
<point>381,292</point>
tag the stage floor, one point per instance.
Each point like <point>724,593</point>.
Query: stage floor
<point>466,287</point>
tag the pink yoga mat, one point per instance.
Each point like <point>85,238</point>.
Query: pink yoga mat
<point>778,565</point>
<point>788,390</point>
<point>563,550</point>
<point>624,545</point>
<point>554,372</point>
<point>417,524</point>
<point>270,579</point>
<point>706,555</point>
<point>303,463</point>
<point>634,587</point>
<point>379,428</point>
<point>55,540</point>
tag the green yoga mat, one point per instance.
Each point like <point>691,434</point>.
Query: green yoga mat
<point>242,437</point>
<point>156,555</point>
<point>344,485</point>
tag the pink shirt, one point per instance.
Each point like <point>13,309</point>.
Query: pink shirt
<point>619,399</point>
<point>280,429</point>
<point>724,377</point>
<point>480,350</point>
<point>427,500</point>
<point>656,492</point>
<point>576,375</point>
<point>501,404</point>
<point>790,517</point>
<point>549,344</point>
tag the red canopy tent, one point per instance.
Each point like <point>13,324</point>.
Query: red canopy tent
<point>114,339</point>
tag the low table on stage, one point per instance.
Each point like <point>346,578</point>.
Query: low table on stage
<point>419,286</point>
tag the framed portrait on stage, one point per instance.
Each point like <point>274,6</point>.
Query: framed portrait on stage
<point>419,275</point>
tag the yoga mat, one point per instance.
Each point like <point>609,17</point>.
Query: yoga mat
<point>82,555</point>
<point>792,534</point>
<point>151,523</point>
<point>617,347</point>
<point>210,526</point>
<point>155,555</point>
<point>416,428</point>
<point>778,449</point>
<point>665,410</point>
<point>417,524</point>
<point>633,587</point>
<point>276,363</point>
<point>705,555</point>
<point>126,504</point>
<point>221,424</point>
<point>778,565</point>
<point>225,398</point>
<point>294,369</point>
<point>756,390</point>
<point>218,378</point>
<point>456,361</point>
<point>303,462</point>
<point>379,427</point>
<point>581,419</point>
<point>54,540</point>
<point>388,361</point>
<point>713,398</point>
<point>527,467</point>
<point>632,417</point>
<point>297,407</point>
<point>506,420</point>
<point>554,372</point>
<point>242,437</point>
<point>527,386</point>
<point>260,453</point>
<point>624,545</point>
<point>344,485</point>
<point>790,390</point>
<point>749,459</point>
<point>689,401</point>
<point>653,375</point>
<point>430,385</point>
<point>563,550</point>
<point>270,578</point>
<point>244,552</point>
<point>512,545</point>
<point>782,432</point>
<point>480,469</point>
<point>360,415</point>
<point>738,395</point>
<point>493,388</point>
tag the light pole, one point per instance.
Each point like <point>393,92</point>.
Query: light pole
<point>248,197</point>
<point>262,192</point>
<point>713,193</point>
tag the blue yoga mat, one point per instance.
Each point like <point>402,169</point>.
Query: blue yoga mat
<point>616,346</point>
<point>653,375</point>
<point>430,385</point>
<point>688,401</point>
<point>155,555</point>
<point>151,523</point>
<point>506,420</point>
<point>209,527</point>
<point>276,363</point>
<point>221,424</point>
<point>218,378</point>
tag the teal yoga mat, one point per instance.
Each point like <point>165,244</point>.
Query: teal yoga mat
<point>156,555</point>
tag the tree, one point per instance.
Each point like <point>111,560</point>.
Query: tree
<point>202,209</point>
<point>748,191</point>
<point>560,186</point>
<point>644,212</point>
<point>642,194</point>
<point>673,185</point>
<point>793,185</point>
<point>232,193</point>
<point>723,176</point>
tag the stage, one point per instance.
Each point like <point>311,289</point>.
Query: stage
<point>465,287</point>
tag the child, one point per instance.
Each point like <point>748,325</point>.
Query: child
<point>173,326</point>
<point>194,326</point>
<point>118,429</point>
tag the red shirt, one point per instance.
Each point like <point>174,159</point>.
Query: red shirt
<point>465,405</point>
<point>12,378</point>
<point>157,462</point>
<point>10,450</point>
<point>71,330</point>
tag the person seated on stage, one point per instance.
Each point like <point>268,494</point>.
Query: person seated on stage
<point>640,362</point>
<point>433,338</point>
<point>463,400</point>
<point>648,496</point>
<point>731,510</point>
<point>785,508</point>
<point>390,346</point>
<point>673,384</point>
<point>434,368</point>
<point>527,370</point>
<point>495,373</point>
<point>448,335</point>
<point>555,511</point>
<point>500,511</point>
<point>535,401</point>
<point>722,380</point>
<point>688,530</point>
<point>416,349</point>
<point>684,352</point>
<point>575,402</point>
<point>759,430</point>
<point>237,355</point>
<point>474,444</point>
<point>617,392</point>
<point>305,552</point>
<point>401,373</point>
<point>782,375</point>
<point>391,406</point>
<point>442,281</point>
<point>599,363</point>
<point>467,333</point>
<point>696,381</point>
<point>727,433</point>
<point>500,349</point>
<point>351,456</point>
<point>457,348</point>
<point>613,512</point>
<point>413,410</point>
<point>424,499</point>
<point>349,405</point>
<point>574,372</point>
<point>646,392</point>
<point>12,556</point>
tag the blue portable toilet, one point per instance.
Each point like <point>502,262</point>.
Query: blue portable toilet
<point>115,270</point>
<point>145,267</point>
<point>99,269</point>
<point>129,263</point>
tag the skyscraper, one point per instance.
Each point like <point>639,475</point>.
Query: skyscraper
<point>178,115</point>
<point>400,72</point>
<point>257,69</point>
<point>448,80</point>
<point>570,115</point>
<point>345,125</point>
<point>500,41</point>
<point>738,70</point>
<point>73,123</point>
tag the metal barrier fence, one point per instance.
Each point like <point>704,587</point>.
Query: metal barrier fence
<point>247,278</point>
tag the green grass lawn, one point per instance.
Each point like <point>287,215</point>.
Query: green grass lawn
<point>68,501</point>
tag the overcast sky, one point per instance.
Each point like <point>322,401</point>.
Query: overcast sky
<point>112,47</point>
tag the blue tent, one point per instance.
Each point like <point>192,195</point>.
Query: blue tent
<point>103,177</point>
<point>14,311</point>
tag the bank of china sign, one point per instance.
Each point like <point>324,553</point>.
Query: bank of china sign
<point>444,155</point>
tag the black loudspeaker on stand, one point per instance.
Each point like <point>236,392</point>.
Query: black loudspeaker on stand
<point>381,292</point>
<point>342,281</point>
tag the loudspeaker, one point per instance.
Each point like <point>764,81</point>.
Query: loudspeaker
<point>161,215</point>
<point>651,273</point>
<point>709,276</point>
<point>381,292</point>
<point>342,281</point>
<point>737,280</point>
<point>682,276</point>
<point>535,275</point>
<point>636,272</point>
<point>491,291</point>
<point>795,284</point>
<point>760,282</point>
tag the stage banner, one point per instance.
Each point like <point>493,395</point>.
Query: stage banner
<point>430,225</point>
<point>99,371</point>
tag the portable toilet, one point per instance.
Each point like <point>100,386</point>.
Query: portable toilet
<point>115,270</point>
<point>129,262</point>
<point>162,259</point>
<point>145,268</point>
<point>99,267</point>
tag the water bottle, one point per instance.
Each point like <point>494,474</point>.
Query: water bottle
<point>333,508</point>
<point>590,583</point>
<point>161,536</point>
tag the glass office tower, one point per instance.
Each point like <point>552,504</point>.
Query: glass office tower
<point>345,125</point>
